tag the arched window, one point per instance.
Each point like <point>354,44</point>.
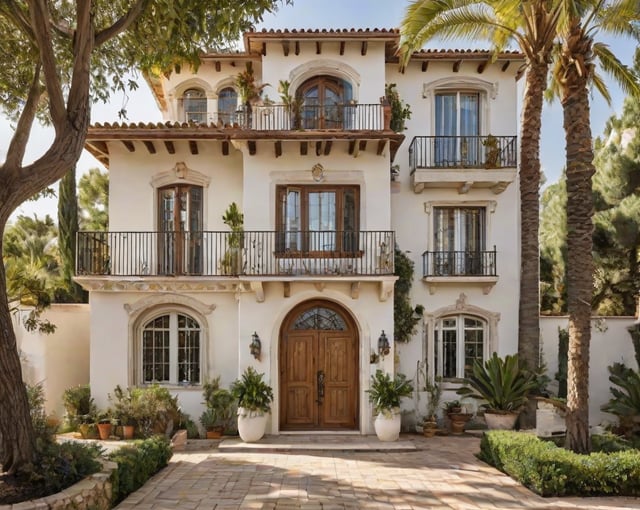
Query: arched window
<point>171,350</point>
<point>325,102</point>
<point>459,341</point>
<point>194,103</point>
<point>227,105</point>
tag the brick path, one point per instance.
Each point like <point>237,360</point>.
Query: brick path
<point>441,473</point>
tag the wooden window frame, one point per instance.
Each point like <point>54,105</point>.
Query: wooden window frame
<point>339,251</point>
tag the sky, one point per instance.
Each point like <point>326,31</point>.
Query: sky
<point>311,14</point>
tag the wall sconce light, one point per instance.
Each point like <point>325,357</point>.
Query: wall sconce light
<point>383,344</point>
<point>255,347</point>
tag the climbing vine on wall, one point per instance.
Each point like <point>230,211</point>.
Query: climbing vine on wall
<point>405,317</point>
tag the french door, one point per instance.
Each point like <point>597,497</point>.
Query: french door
<point>457,129</point>
<point>180,230</point>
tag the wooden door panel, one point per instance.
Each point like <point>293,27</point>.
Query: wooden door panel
<point>338,355</point>
<point>298,378</point>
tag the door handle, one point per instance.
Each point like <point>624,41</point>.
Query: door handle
<point>320,385</point>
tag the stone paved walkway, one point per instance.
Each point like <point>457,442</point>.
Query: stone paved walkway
<point>442,473</point>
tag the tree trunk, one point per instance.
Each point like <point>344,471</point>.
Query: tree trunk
<point>67,230</point>
<point>529,309</point>
<point>580,169</point>
<point>17,438</point>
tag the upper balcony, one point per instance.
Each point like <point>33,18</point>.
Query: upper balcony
<point>349,116</point>
<point>463,162</point>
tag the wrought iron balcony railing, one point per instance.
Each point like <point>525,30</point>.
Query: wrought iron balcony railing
<point>459,263</point>
<point>251,253</point>
<point>463,152</point>
<point>279,117</point>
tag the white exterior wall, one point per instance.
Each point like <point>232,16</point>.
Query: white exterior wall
<point>610,343</point>
<point>59,360</point>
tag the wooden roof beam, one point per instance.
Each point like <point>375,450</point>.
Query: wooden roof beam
<point>425,66</point>
<point>456,65</point>
<point>193,147</point>
<point>277,146</point>
<point>381,146</point>
<point>171,149</point>
<point>327,147</point>
<point>150,147</point>
<point>225,148</point>
<point>304,146</point>
<point>264,49</point>
<point>342,44</point>
<point>129,145</point>
<point>285,48</point>
<point>252,147</point>
<point>354,149</point>
<point>363,48</point>
<point>318,148</point>
<point>505,66</point>
<point>318,48</point>
<point>482,66</point>
<point>297,48</point>
<point>218,66</point>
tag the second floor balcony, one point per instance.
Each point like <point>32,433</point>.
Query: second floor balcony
<point>280,254</point>
<point>463,162</point>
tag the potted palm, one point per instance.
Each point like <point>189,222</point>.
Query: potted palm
<point>503,385</point>
<point>254,398</point>
<point>385,394</point>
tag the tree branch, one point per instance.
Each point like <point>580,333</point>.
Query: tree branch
<point>40,24</point>
<point>10,9</point>
<point>15,152</point>
<point>122,23</point>
<point>78,110</point>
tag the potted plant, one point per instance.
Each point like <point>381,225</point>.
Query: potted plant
<point>124,410</point>
<point>254,403</point>
<point>249,90</point>
<point>292,105</point>
<point>218,414</point>
<point>430,422</point>
<point>232,260</point>
<point>503,385</point>
<point>492,152</point>
<point>457,417</point>
<point>105,425</point>
<point>385,394</point>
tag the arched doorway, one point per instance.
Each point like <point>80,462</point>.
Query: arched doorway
<point>318,368</point>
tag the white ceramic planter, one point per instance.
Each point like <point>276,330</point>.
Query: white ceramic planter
<point>387,425</point>
<point>251,425</point>
<point>501,421</point>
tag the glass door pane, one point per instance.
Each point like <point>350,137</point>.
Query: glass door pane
<point>322,220</point>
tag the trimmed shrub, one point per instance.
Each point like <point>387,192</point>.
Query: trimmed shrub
<point>137,462</point>
<point>553,471</point>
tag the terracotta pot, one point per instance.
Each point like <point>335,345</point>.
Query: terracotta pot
<point>429,431</point>
<point>458,421</point>
<point>104,430</point>
<point>128,431</point>
<point>214,433</point>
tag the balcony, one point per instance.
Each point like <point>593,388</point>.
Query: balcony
<point>463,162</point>
<point>280,117</point>
<point>283,255</point>
<point>454,267</point>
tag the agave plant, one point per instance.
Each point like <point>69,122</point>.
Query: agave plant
<point>626,397</point>
<point>385,393</point>
<point>502,383</point>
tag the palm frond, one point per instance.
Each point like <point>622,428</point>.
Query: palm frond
<point>622,74</point>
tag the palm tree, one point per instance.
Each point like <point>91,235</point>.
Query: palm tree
<point>574,72</point>
<point>532,26</point>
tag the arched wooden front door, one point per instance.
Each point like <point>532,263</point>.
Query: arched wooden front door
<point>318,368</point>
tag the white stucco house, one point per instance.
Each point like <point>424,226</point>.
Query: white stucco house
<point>176,297</point>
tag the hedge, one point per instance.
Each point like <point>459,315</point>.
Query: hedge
<point>137,462</point>
<point>552,471</point>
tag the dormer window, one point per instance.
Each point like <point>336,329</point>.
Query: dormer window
<point>195,106</point>
<point>227,106</point>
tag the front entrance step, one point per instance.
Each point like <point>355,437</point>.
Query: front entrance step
<point>316,443</point>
